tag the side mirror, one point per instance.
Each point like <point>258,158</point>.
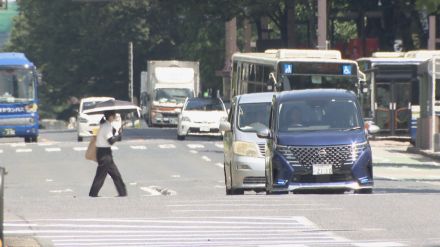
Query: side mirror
<point>373,129</point>
<point>273,80</point>
<point>225,126</point>
<point>264,133</point>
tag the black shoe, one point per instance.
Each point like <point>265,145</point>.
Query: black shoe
<point>93,195</point>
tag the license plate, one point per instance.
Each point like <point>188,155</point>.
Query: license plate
<point>322,169</point>
<point>9,132</point>
<point>205,128</point>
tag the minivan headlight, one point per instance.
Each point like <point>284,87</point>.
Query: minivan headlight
<point>357,149</point>
<point>246,149</point>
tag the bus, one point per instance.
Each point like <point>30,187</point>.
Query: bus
<point>291,69</point>
<point>18,97</point>
<point>428,133</point>
<point>394,90</point>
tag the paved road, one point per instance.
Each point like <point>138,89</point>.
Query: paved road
<point>176,198</point>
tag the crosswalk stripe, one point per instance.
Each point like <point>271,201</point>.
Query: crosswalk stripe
<point>23,150</point>
<point>186,231</point>
<point>53,149</point>
<point>195,146</point>
<point>167,146</point>
<point>80,148</point>
<point>1,151</point>
<point>138,147</point>
<point>206,158</point>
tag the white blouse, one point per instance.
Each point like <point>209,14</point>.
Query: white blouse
<point>104,133</point>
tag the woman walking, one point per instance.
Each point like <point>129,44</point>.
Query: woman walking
<point>105,138</point>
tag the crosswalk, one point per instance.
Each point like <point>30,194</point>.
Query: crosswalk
<point>60,147</point>
<point>294,231</point>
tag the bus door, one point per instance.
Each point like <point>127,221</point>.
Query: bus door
<point>392,107</point>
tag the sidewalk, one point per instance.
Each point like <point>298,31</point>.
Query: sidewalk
<point>20,242</point>
<point>427,153</point>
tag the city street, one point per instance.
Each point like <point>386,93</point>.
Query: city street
<point>176,197</point>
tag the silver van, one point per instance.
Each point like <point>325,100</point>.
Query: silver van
<point>243,150</point>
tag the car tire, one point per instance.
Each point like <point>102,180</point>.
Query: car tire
<point>364,191</point>
<point>237,191</point>
<point>228,191</point>
<point>180,138</point>
<point>80,138</point>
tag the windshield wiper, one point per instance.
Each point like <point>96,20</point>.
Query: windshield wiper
<point>354,128</point>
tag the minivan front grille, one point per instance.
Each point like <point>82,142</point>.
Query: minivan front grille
<point>307,156</point>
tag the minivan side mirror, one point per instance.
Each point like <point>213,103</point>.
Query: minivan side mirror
<point>373,129</point>
<point>225,126</point>
<point>264,133</point>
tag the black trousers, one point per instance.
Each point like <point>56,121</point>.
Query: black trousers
<point>106,165</point>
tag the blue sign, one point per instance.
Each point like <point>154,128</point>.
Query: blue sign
<point>287,68</point>
<point>346,69</point>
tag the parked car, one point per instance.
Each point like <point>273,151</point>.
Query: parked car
<point>243,149</point>
<point>88,124</point>
<point>200,116</point>
<point>316,140</point>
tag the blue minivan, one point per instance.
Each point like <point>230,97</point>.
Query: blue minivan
<point>317,140</point>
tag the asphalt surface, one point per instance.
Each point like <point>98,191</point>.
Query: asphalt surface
<point>176,198</point>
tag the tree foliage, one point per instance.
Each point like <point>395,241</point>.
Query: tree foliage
<point>81,46</point>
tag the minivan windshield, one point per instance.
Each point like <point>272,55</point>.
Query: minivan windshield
<point>319,115</point>
<point>253,116</point>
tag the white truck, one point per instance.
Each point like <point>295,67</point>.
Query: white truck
<point>164,87</point>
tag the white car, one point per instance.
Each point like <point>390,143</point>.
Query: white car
<point>201,116</point>
<point>88,124</point>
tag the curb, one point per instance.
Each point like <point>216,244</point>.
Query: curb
<point>428,153</point>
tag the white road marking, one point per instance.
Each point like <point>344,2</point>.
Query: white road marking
<point>193,151</point>
<point>18,145</point>
<point>219,165</point>
<point>61,191</point>
<point>49,180</point>
<point>378,244</point>
<point>219,145</point>
<point>194,146</point>
<point>186,231</point>
<point>175,176</point>
<point>206,158</point>
<point>45,144</point>
<point>80,148</point>
<point>53,149</point>
<point>151,190</point>
<point>139,147</point>
<point>114,148</point>
<point>23,150</point>
<point>167,146</point>
<point>1,151</point>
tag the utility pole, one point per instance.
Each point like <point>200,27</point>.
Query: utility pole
<point>322,25</point>
<point>130,72</point>
<point>432,38</point>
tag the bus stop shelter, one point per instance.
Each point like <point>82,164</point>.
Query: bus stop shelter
<point>428,124</point>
